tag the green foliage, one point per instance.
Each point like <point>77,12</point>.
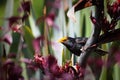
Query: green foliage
<point>28,37</point>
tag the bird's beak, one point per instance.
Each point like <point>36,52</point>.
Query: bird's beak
<point>62,39</point>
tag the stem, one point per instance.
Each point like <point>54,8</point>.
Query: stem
<point>94,36</point>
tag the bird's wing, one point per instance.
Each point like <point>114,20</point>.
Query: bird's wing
<point>100,51</point>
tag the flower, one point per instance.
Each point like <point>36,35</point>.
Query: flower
<point>13,19</point>
<point>49,19</point>
<point>52,70</point>
<point>12,70</point>
<point>36,43</point>
<point>7,38</point>
<point>106,25</point>
<point>114,10</point>
<point>118,1</point>
<point>26,6</point>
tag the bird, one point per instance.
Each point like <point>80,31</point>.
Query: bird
<point>75,45</point>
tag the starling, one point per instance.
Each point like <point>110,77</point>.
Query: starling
<point>75,45</point>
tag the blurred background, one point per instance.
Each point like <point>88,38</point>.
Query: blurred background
<point>40,32</point>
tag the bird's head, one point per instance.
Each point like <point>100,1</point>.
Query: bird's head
<point>67,41</point>
<point>73,44</point>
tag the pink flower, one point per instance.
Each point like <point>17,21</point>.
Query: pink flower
<point>7,38</point>
<point>36,43</point>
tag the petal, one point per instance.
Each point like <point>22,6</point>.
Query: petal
<point>8,38</point>
<point>93,20</point>
<point>71,14</point>
<point>119,1</point>
<point>16,27</point>
<point>26,6</point>
<point>49,21</point>
<point>36,43</point>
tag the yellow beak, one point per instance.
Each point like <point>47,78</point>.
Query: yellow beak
<point>62,39</point>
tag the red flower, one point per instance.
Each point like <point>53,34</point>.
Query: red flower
<point>119,1</point>
<point>26,6</point>
<point>114,10</point>
<point>36,43</point>
<point>13,70</point>
<point>52,70</point>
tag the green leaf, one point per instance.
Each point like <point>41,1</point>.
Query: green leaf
<point>116,73</point>
<point>16,41</point>
<point>9,9</point>
<point>16,6</point>
<point>38,6</point>
<point>28,38</point>
<point>2,10</point>
<point>103,75</point>
<point>34,27</point>
<point>83,30</point>
<point>85,22</point>
<point>8,13</point>
<point>24,72</point>
<point>66,56</point>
